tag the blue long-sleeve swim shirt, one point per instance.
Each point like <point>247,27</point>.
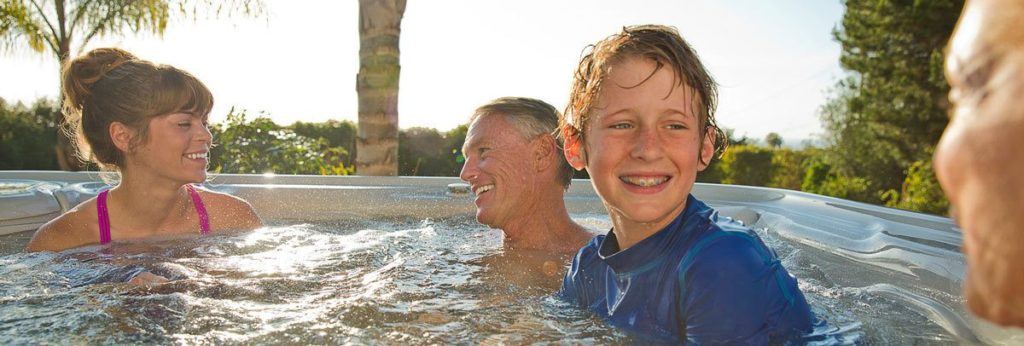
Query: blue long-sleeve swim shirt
<point>701,279</point>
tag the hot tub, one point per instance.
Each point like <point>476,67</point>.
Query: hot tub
<point>400,260</point>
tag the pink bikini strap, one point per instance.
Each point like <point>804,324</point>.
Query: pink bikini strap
<point>204,219</point>
<point>104,217</point>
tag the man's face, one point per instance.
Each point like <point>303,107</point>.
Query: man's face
<point>499,169</point>
<point>977,161</point>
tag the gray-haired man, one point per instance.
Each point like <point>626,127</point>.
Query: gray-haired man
<point>519,175</point>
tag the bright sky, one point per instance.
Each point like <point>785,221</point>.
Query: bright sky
<point>774,60</point>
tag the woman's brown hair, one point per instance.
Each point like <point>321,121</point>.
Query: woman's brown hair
<point>108,85</point>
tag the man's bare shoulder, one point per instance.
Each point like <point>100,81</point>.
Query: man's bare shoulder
<point>228,212</point>
<point>76,227</point>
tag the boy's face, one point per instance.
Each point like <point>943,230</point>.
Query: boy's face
<point>641,144</point>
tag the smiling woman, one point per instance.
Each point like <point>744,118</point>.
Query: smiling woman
<point>149,123</point>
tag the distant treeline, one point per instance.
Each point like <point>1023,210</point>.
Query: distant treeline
<point>246,144</point>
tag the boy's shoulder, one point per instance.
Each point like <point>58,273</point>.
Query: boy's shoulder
<point>589,252</point>
<point>726,245</point>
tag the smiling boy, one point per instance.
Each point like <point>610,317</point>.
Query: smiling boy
<point>641,121</point>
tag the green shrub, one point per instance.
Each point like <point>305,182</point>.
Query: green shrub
<point>920,191</point>
<point>789,167</point>
<point>822,179</point>
<point>260,146</point>
<point>28,136</point>
<point>747,165</point>
<point>338,134</point>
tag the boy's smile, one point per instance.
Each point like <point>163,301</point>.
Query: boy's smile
<point>645,184</point>
<point>641,146</point>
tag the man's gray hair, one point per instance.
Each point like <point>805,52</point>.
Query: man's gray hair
<point>532,118</point>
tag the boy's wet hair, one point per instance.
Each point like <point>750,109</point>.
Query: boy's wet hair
<point>109,85</point>
<point>663,45</point>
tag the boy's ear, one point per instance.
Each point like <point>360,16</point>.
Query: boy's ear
<point>543,148</point>
<point>121,135</point>
<point>573,149</point>
<point>707,150</point>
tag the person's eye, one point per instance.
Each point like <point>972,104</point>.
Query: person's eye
<point>184,123</point>
<point>978,77</point>
<point>676,127</point>
<point>621,126</point>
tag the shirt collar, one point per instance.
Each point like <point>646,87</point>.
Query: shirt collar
<point>648,253</point>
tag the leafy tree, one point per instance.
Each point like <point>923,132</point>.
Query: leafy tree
<point>822,179</point>
<point>421,151</point>
<point>338,134</point>
<point>773,140</point>
<point>261,146</point>
<point>747,165</point>
<point>56,26</point>
<point>27,135</point>
<point>920,192</point>
<point>789,167</point>
<point>890,111</point>
<point>428,152</point>
<point>713,173</point>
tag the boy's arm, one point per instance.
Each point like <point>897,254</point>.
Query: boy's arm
<point>725,294</point>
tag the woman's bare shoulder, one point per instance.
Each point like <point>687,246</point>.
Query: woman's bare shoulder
<point>229,212</point>
<point>76,227</point>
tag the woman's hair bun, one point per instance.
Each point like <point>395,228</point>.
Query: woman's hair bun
<point>81,73</point>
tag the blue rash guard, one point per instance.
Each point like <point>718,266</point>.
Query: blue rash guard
<point>701,279</point>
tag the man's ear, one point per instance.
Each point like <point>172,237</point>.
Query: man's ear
<point>707,150</point>
<point>543,148</point>
<point>573,149</point>
<point>121,135</point>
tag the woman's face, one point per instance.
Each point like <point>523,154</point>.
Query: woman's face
<point>176,148</point>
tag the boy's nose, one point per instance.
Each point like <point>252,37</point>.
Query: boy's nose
<point>647,146</point>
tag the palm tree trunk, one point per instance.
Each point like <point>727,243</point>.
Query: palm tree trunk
<point>67,156</point>
<point>377,84</point>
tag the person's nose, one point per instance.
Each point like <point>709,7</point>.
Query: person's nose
<point>647,145</point>
<point>469,170</point>
<point>204,134</point>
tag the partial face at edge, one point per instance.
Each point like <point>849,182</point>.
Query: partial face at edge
<point>642,143</point>
<point>974,160</point>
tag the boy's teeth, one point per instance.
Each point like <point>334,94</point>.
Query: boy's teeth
<point>483,189</point>
<point>644,181</point>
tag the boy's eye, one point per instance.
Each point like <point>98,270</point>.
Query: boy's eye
<point>676,127</point>
<point>621,126</point>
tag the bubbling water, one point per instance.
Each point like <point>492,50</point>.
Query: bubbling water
<point>423,281</point>
<point>361,281</point>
